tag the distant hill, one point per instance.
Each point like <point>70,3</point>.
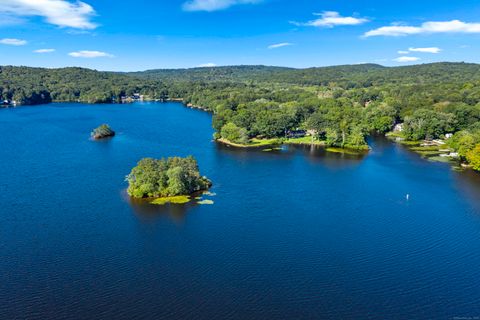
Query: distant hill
<point>229,73</point>
<point>362,75</point>
<point>253,73</point>
<point>28,85</point>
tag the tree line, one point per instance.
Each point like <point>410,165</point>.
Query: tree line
<point>340,105</point>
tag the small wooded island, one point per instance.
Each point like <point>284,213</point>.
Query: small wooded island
<point>103,131</point>
<point>171,180</point>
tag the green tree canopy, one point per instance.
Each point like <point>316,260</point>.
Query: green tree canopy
<point>165,178</point>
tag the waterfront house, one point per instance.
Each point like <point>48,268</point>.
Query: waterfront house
<point>398,127</point>
<point>296,133</point>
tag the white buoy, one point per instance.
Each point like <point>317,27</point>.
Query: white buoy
<point>408,197</point>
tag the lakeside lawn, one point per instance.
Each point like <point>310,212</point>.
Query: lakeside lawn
<point>307,140</point>
<point>252,143</point>
<point>256,142</point>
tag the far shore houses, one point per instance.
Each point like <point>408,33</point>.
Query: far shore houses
<point>127,99</point>
<point>7,103</point>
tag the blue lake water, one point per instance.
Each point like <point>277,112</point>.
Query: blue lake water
<point>292,234</point>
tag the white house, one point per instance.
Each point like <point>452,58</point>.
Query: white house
<point>398,127</point>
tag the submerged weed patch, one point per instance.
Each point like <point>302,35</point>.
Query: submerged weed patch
<point>174,200</point>
<point>206,201</point>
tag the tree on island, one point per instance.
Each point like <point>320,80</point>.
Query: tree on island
<point>157,178</point>
<point>102,131</point>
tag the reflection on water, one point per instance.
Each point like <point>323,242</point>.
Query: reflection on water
<point>468,182</point>
<point>150,213</point>
<point>311,152</point>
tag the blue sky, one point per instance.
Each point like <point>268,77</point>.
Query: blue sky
<point>147,34</point>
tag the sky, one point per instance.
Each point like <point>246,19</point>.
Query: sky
<point>125,35</point>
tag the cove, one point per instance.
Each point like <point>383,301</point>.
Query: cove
<point>296,233</point>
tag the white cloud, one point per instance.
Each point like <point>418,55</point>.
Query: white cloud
<point>453,26</point>
<point>406,59</point>
<point>425,50</point>
<point>329,19</point>
<point>13,42</point>
<point>207,65</point>
<point>403,52</point>
<point>62,13</point>
<point>44,50</point>
<point>279,45</point>
<point>213,5</point>
<point>90,54</point>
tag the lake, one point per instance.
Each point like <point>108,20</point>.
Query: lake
<point>292,234</point>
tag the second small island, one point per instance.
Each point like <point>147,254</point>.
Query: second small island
<point>171,180</point>
<point>101,132</point>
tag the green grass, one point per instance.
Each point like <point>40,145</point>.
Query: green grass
<point>256,143</point>
<point>272,144</point>
<point>426,148</point>
<point>440,159</point>
<point>253,143</point>
<point>409,143</point>
<point>304,141</point>
<point>175,200</point>
<point>264,142</point>
<point>346,150</point>
<point>395,135</point>
<point>429,153</point>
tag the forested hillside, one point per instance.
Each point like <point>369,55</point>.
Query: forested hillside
<point>341,105</point>
<point>38,85</point>
<point>231,73</point>
<point>346,76</point>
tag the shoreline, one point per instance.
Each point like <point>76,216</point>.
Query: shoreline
<point>434,153</point>
<point>279,142</point>
<point>410,145</point>
<point>188,105</point>
<point>266,143</point>
<point>194,197</point>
